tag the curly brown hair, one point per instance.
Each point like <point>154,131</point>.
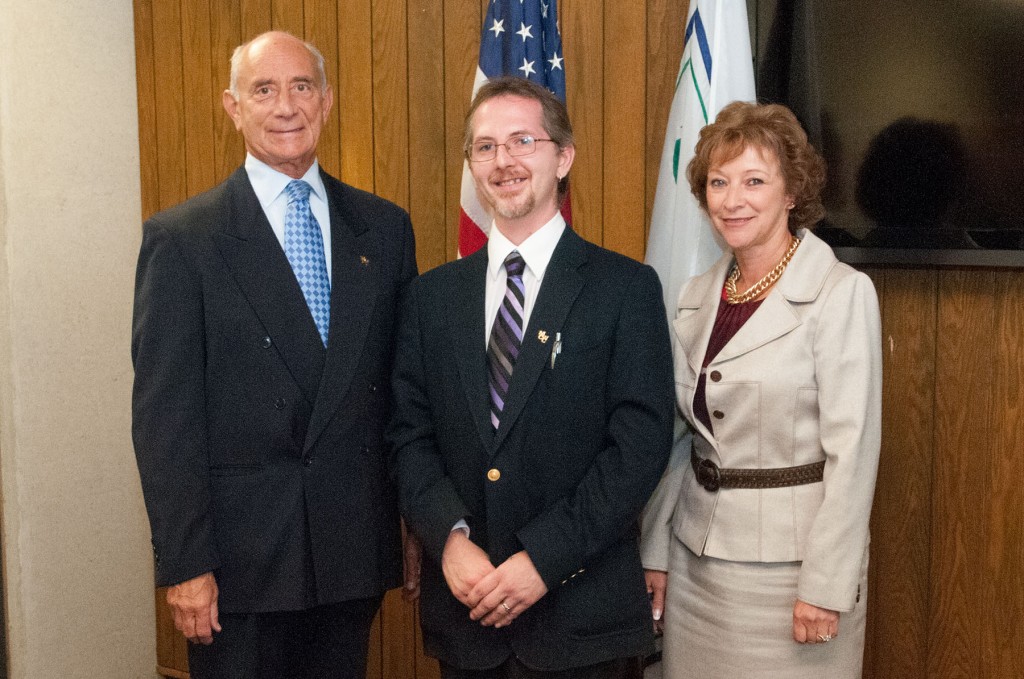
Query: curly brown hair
<point>771,127</point>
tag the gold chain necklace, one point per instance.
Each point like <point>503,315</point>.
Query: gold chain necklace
<point>754,291</point>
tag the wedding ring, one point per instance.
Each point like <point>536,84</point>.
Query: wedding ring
<point>825,638</point>
<point>508,611</point>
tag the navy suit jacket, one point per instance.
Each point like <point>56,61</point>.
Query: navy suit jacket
<point>580,447</point>
<point>261,453</point>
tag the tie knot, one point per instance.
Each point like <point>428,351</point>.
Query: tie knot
<point>515,264</point>
<point>298,190</point>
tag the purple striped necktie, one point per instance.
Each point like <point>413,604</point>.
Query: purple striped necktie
<point>506,335</point>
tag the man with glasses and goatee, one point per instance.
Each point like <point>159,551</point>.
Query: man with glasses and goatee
<point>533,417</point>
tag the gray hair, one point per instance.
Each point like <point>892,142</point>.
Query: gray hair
<point>239,53</point>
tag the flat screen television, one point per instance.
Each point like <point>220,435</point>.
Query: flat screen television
<point>918,108</point>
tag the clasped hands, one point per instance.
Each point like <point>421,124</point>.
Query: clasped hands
<point>495,596</point>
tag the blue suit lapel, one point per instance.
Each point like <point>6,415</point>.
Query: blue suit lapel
<point>256,260</point>
<point>562,284</point>
<point>354,284</point>
<point>466,325</point>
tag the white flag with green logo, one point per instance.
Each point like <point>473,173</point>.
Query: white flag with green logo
<point>716,69</point>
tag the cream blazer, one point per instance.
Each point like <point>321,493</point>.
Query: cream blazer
<point>800,382</point>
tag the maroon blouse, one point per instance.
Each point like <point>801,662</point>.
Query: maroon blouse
<point>729,320</point>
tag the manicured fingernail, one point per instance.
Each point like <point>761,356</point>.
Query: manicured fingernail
<point>657,614</point>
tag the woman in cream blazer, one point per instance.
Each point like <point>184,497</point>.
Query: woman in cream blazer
<point>768,581</point>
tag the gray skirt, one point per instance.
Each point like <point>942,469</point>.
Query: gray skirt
<point>735,619</point>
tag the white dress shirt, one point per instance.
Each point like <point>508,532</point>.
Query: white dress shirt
<point>269,185</point>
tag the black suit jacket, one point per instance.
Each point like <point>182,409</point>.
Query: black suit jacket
<point>261,453</point>
<point>580,448</point>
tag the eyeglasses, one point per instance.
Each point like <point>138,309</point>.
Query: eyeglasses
<point>520,145</point>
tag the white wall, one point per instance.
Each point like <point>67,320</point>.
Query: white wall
<point>77,566</point>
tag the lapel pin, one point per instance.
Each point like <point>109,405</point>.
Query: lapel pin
<point>543,337</point>
<point>364,260</point>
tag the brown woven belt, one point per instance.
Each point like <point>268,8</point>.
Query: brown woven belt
<point>712,477</point>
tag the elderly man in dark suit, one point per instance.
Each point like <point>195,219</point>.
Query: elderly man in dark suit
<point>263,340</point>
<point>533,418</point>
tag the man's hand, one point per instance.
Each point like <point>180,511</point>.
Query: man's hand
<point>413,558</point>
<point>501,596</point>
<point>463,564</point>
<point>657,583</point>
<point>814,625</point>
<point>194,606</point>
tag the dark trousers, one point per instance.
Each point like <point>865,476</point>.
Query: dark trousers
<point>620,668</point>
<point>326,642</point>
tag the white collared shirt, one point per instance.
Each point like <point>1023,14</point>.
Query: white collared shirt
<point>269,185</point>
<point>536,251</point>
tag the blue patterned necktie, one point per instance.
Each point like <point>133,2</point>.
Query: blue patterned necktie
<point>304,247</point>
<point>506,335</point>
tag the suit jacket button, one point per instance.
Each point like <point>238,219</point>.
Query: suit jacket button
<point>373,388</point>
<point>266,342</point>
<point>493,474</point>
<point>307,461</point>
<point>279,404</point>
<point>718,414</point>
<point>716,376</point>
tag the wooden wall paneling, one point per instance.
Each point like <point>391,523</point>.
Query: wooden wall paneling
<point>145,84</point>
<point>199,100</point>
<point>288,15</point>
<point>624,154</point>
<point>582,26</point>
<point>961,484</point>
<point>398,631</point>
<point>354,97</point>
<point>463,22</point>
<point>1002,592</point>
<point>225,36</point>
<point>390,101</point>
<point>898,590</point>
<point>426,148</point>
<point>257,18</point>
<point>170,117</point>
<point>666,26</point>
<point>321,29</point>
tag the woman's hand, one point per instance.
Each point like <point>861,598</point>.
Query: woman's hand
<point>813,625</point>
<point>657,583</point>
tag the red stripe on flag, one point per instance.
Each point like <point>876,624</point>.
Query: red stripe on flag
<point>471,236</point>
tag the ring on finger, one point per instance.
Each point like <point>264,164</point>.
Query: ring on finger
<point>508,611</point>
<point>825,638</point>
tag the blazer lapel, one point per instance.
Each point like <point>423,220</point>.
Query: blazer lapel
<point>465,315</point>
<point>773,319</point>
<point>698,307</point>
<point>354,284</point>
<point>258,264</point>
<point>562,284</point>
<point>801,282</point>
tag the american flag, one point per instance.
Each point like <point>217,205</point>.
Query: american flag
<point>521,38</point>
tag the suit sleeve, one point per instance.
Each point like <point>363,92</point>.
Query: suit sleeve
<point>169,406</point>
<point>429,500</point>
<point>848,369</point>
<point>638,411</point>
